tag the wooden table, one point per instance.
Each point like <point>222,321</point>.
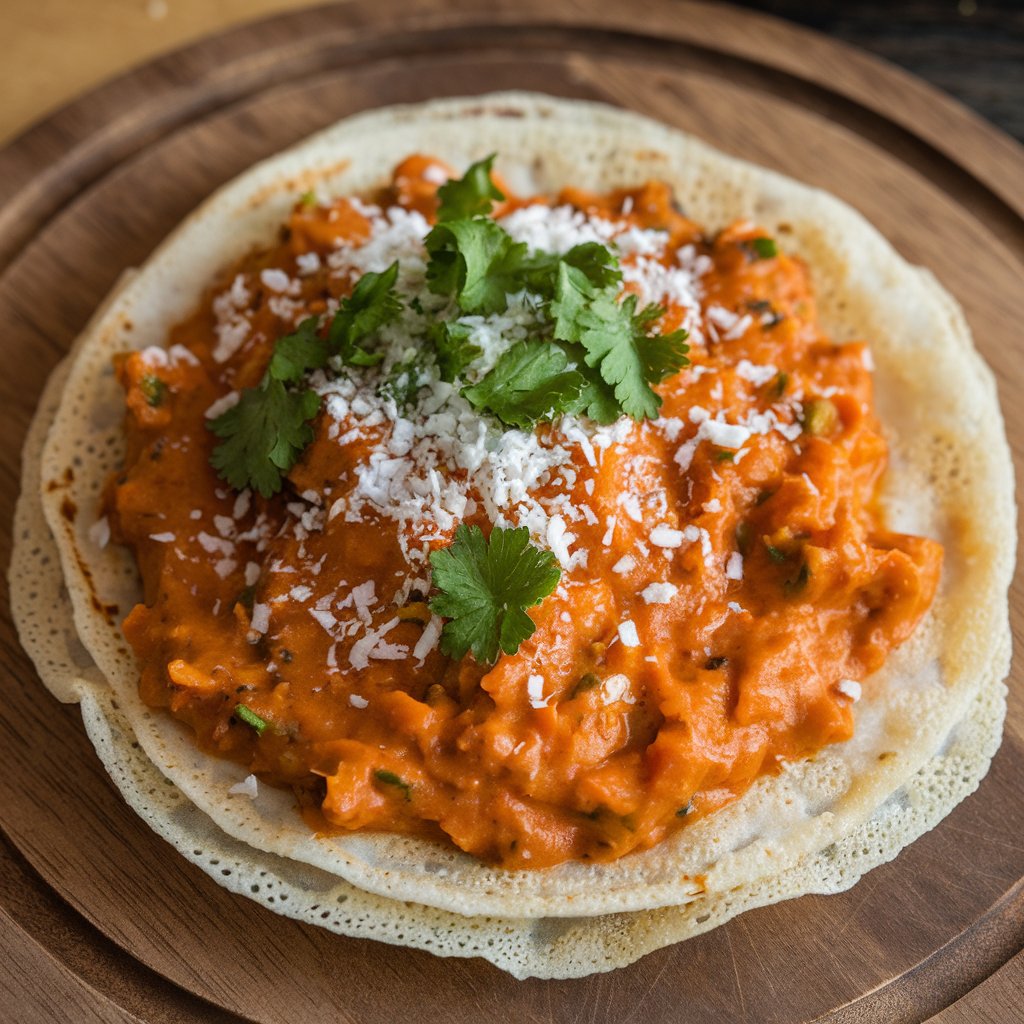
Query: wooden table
<point>92,918</point>
<point>973,51</point>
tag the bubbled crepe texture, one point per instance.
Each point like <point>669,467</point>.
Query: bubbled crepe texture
<point>935,711</point>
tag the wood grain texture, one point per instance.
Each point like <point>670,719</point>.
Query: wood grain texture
<point>972,50</point>
<point>996,1000</point>
<point>58,48</point>
<point>95,188</point>
<point>56,991</point>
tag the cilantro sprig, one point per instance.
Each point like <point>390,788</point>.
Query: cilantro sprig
<point>372,304</point>
<point>266,431</point>
<point>263,435</point>
<point>529,383</point>
<point>453,349</point>
<point>590,354</point>
<point>486,585</point>
<point>474,261</point>
<point>472,195</point>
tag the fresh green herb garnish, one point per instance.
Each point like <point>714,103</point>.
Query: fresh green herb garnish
<point>630,360</point>
<point>596,262</point>
<point>597,400</point>
<point>472,195</point>
<point>405,380</point>
<point>477,262</point>
<point>453,349</point>
<point>297,354</point>
<point>529,383</point>
<point>308,198</point>
<point>572,297</point>
<point>387,778</point>
<point>761,248</point>
<point>474,260</point>
<point>250,718</point>
<point>372,304</point>
<point>486,586</point>
<point>594,355</point>
<point>153,389</point>
<point>724,455</point>
<point>774,553</point>
<point>264,434</point>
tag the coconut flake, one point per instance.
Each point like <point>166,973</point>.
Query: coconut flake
<point>663,536</point>
<point>428,640</point>
<point>535,692</point>
<point>659,593</point>
<point>734,567</point>
<point>260,621</point>
<point>628,634</point>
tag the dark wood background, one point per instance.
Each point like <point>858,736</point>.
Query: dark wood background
<point>973,49</point>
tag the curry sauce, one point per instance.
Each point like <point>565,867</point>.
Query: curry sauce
<point>727,585</point>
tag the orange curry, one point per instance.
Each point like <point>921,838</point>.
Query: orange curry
<point>777,595</point>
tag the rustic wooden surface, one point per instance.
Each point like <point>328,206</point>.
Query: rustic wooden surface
<point>58,48</point>
<point>972,49</point>
<point>99,920</point>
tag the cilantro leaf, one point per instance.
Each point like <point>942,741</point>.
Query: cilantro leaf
<point>453,348</point>
<point>597,262</point>
<point>529,383</point>
<point>298,353</point>
<point>597,399</point>
<point>538,272</point>
<point>263,435</point>
<point>477,262</point>
<point>573,294</point>
<point>372,304</point>
<point>486,587</point>
<point>617,342</point>
<point>472,195</point>
<point>406,379</point>
<point>662,354</point>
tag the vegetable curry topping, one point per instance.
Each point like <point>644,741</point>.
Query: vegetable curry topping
<point>546,525</point>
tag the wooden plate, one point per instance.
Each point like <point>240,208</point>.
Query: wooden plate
<point>99,918</point>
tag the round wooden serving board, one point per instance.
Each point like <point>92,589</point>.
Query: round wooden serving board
<point>99,919</point>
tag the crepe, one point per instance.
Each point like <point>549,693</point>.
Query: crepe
<point>925,730</point>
